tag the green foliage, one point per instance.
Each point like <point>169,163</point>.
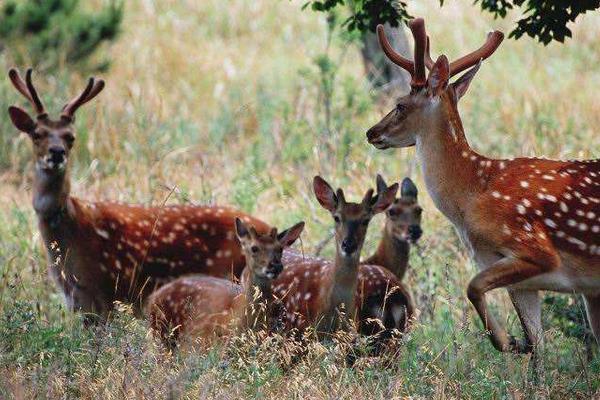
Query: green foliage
<point>366,14</point>
<point>567,315</point>
<point>340,100</point>
<point>48,32</point>
<point>545,20</point>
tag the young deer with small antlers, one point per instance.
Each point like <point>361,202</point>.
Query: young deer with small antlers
<point>402,228</point>
<point>203,307</point>
<point>529,224</point>
<point>315,290</point>
<point>101,252</point>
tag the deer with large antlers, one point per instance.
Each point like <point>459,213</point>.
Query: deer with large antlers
<point>315,291</point>
<point>201,307</point>
<point>529,224</point>
<point>100,252</point>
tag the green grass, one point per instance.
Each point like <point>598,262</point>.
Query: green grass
<point>225,104</point>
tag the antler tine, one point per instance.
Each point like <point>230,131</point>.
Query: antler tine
<point>417,26</point>
<point>489,47</point>
<point>98,86</point>
<point>19,84</point>
<point>26,89</point>
<point>39,107</point>
<point>91,90</point>
<point>393,56</point>
<point>428,60</point>
<point>72,106</point>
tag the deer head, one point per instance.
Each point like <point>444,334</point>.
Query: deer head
<point>403,217</point>
<point>263,252</point>
<point>52,138</point>
<point>351,219</point>
<point>428,96</point>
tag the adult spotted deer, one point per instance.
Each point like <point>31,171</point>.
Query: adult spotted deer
<point>202,307</point>
<point>314,291</point>
<point>402,227</point>
<point>529,224</point>
<point>100,252</point>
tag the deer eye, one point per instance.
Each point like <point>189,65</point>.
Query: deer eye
<point>336,219</point>
<point>69,138</point>
<point>418,211</point>
<point>400,107</point>
<point>254,249</point>
<point>36,135</point>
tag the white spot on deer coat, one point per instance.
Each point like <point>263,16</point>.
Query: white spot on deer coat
<point>102,233</point>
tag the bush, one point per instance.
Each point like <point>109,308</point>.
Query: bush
<point>46,33</point>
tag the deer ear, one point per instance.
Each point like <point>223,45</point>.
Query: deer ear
<point>290,235</point>
<point>20,119</point>
<point>462,84</point>
<point>438,77</point>
<point>241,230</point>
<point>408,188</point>
<point>325,194</point>
<point>385,199</point>
<point>381,185</point>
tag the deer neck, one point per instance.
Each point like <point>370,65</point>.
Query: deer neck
<point>450,167</point>
<point>51,204</point>
<point>343,288</point>
<point>51,195</point>
<point>391,253</point>
<point>259,304</point>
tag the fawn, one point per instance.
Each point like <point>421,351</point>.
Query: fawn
<point>314,290</point>
<point>100,252</point>
<point>402,227</point>
<point>529,224</point>
<point>203,307</point>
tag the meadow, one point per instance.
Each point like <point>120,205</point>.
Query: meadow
<point>232,103</point>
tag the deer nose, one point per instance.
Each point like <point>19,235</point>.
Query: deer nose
<point>372,134</point>
<point>415,232</point>
<point>57,154</point>
<point>276,267</point>
<point>349,246</point>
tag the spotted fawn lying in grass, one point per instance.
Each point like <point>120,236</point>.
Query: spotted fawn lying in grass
<point>200,307</point>
<point>402,228</point>
<point>315,291</point>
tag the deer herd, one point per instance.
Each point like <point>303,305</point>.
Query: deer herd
<point>200,272</point>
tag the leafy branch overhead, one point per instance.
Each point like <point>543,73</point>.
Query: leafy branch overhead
<point>544,20</point>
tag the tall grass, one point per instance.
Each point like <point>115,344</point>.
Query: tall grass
<point>223,102</point>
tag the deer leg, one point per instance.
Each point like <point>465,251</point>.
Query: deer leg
<point>505,272</point>
<point>528,305</point>
<point>529,309</point>
<point>592,307</point>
